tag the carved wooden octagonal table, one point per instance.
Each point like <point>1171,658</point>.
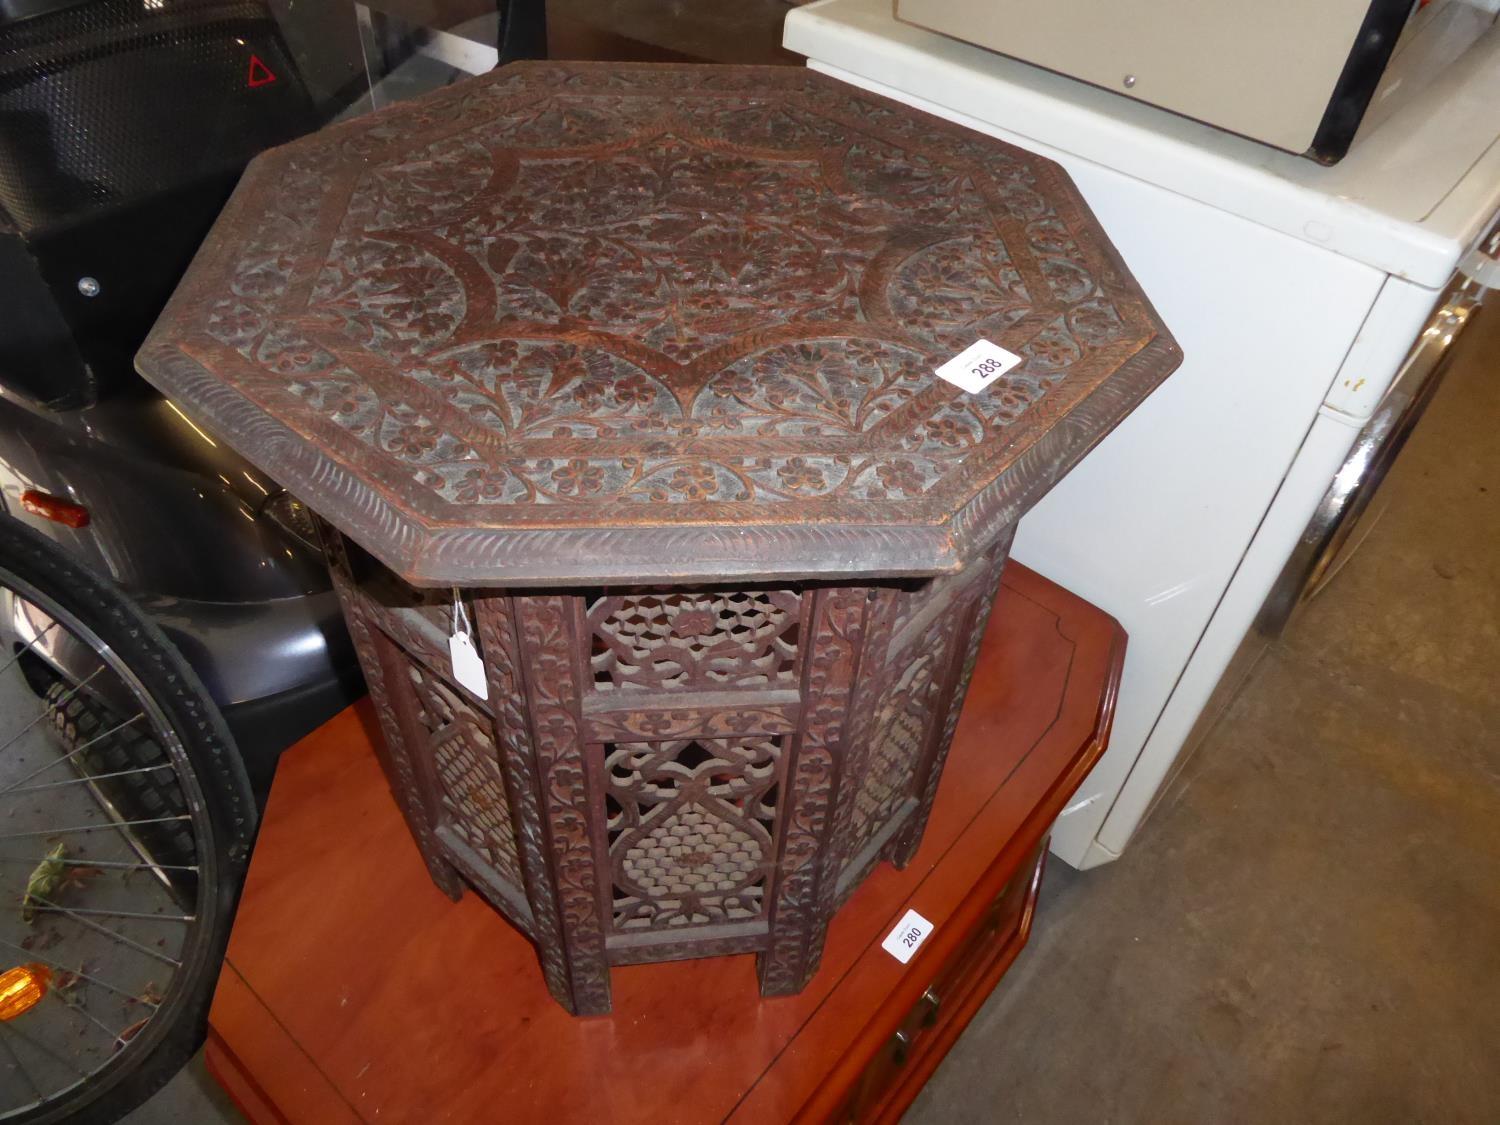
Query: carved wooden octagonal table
<point>634,365</point>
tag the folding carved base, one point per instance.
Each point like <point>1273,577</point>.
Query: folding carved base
<point>669,773</point>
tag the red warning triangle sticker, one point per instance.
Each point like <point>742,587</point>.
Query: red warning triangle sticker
<point>260,73</point>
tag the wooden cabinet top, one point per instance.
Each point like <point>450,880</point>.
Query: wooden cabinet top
<point>598,322</point>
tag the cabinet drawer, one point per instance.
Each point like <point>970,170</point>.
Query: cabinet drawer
<point>959,984</point>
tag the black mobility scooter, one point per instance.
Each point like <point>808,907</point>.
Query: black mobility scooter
<point>167,624</point>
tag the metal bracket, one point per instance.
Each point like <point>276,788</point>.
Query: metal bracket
<point>1481,265</point>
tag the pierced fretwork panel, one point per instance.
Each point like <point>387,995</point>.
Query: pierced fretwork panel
<point>903,719</point>
<point>467,769</point>
<point>913,670</point>
<point>912,603</point>
<point>421,625</point>
<point>703,641</point>
<point>419,620</point>
<point>691,830</point>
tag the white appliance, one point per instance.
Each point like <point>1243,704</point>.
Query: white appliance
<point>1296,291</point>
<point>1295,75</point>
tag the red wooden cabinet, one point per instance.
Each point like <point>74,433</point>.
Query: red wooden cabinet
<point>355,991</point>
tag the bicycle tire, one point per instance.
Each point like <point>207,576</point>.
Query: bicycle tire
<point>34,567</point>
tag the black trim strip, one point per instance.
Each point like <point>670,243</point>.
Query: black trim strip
<point>1367,61</point>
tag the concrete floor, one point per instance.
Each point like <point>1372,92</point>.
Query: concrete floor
<point>192,1097</point>
<point>1308,927</point>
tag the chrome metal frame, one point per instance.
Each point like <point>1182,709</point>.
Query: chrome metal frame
<point>1331,534</point>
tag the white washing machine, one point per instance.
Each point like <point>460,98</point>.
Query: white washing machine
<point>1298,293</point>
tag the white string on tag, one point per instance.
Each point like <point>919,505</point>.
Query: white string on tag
<point>468,669</point>
<point>460,614</point>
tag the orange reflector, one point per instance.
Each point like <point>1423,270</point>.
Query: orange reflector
<point>54,508</point>
<point>22,988</point>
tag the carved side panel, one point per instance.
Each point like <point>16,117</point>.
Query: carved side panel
<point>906,674</point>
<point>494,623</point>
<point>902,726</point>
<point>419,620</point>
<point>678,640</point>
<point>871,681</point>
<point>691,828</point>
<point>678,774</point>
<point>466,769</point>
<point>798,916</point>
<point>661,724</point>
<point>974,613</point>
<point>379,660</point>
<point>551,663</point>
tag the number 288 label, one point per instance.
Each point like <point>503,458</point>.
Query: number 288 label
<point>908,936</point>
<point>977,366</point>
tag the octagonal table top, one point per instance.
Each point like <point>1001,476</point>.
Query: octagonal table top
<point>577,323</point>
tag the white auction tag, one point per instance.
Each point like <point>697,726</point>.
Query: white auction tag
<point>977,366</point>
<point>908,936</point>
<point>468,669</point>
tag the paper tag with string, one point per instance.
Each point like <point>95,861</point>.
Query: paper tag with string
<point>468,669</point>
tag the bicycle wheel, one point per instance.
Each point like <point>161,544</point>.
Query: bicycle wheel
<point>125,824</point>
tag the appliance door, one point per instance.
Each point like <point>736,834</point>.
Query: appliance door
<point>1343,517</point>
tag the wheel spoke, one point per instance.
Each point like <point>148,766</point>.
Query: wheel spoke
<point>42,714</point>
<point>120,763</point>
<point>48,832</point>
<point>56,1056</point>
<point>79,1009</point>
<point>26,648</point>
<point>96,1022</point>
<point>73,753</point>
<point>77,910</point>
<point>121,938</point>
<point>111,863</point>
<point>16,1062</point>
<point>79,973</point>
<point>89,780</point>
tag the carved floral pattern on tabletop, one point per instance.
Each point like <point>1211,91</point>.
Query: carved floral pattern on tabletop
<point>608,287</point>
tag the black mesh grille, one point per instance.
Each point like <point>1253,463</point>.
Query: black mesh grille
<point>112,101</point>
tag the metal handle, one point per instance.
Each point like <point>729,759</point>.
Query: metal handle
<point>901,1041</point>
<point>933,1002</point>
<point>1481,265</point>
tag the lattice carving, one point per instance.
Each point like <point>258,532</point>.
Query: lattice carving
<point>494,621</point>
<point>375,655</point>
<point>548,641</point>
<point>902,722</point>
<point>676,774</point>
<point>468,774</point>
<point>677,640</point>
<point>807,863</point>
<point>691,828</point>
<point>969,623</point>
